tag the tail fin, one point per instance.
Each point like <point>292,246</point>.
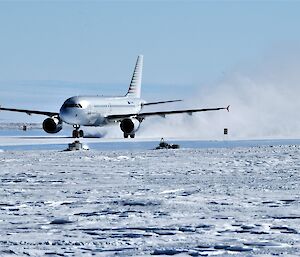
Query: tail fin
<point>134,90</point>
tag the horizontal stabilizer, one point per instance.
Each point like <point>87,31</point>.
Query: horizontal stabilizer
<point>162,102</point>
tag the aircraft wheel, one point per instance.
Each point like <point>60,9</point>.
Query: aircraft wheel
<point>81,134</point>
<point>132,135</point>
<point>75,134</point>
<point>126,135</point>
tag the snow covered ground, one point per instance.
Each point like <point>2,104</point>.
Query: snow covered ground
<point>241,201</point>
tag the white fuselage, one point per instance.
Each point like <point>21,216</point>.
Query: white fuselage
<point>93,110</point>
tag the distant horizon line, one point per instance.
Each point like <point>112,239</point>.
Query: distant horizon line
<point>68,82</point>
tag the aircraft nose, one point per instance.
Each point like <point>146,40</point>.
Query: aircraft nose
<point>68,115</point>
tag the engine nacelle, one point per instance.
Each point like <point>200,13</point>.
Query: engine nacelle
<point>52,125</point>
<point>129,126</point>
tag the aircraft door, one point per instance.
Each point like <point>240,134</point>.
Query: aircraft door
<point>91,114</point>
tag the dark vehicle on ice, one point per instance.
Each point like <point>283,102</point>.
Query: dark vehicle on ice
<point>164,145</point>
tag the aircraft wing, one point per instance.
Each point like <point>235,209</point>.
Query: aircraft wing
<point>29,112</point>
<point>143,115</point>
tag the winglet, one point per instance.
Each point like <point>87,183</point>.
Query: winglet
<point>228,108</point>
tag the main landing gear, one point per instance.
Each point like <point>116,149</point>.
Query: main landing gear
<point>127,135</point>
<point>76,132</point>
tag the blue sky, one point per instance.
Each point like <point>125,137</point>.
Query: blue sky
<point>50,50</point>
<point>184,42</point>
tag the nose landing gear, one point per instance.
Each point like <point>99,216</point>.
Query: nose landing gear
<point>76,132</point>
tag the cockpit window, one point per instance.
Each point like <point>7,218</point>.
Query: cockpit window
<point>71,105</point>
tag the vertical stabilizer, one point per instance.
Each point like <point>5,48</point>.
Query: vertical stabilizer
<point>134,90</point>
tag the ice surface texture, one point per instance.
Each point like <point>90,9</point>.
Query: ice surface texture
<point>187,202</point>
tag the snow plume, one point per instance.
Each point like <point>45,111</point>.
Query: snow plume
<point>112,131</point>
<point>264,104</point>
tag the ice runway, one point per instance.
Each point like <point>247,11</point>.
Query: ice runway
<point>38,142</point>
<point>189,202</point>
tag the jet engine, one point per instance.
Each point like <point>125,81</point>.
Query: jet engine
<point>52,125</point>
<point>129,126</point>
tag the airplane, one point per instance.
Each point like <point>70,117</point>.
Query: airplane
<point>98,111</point>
